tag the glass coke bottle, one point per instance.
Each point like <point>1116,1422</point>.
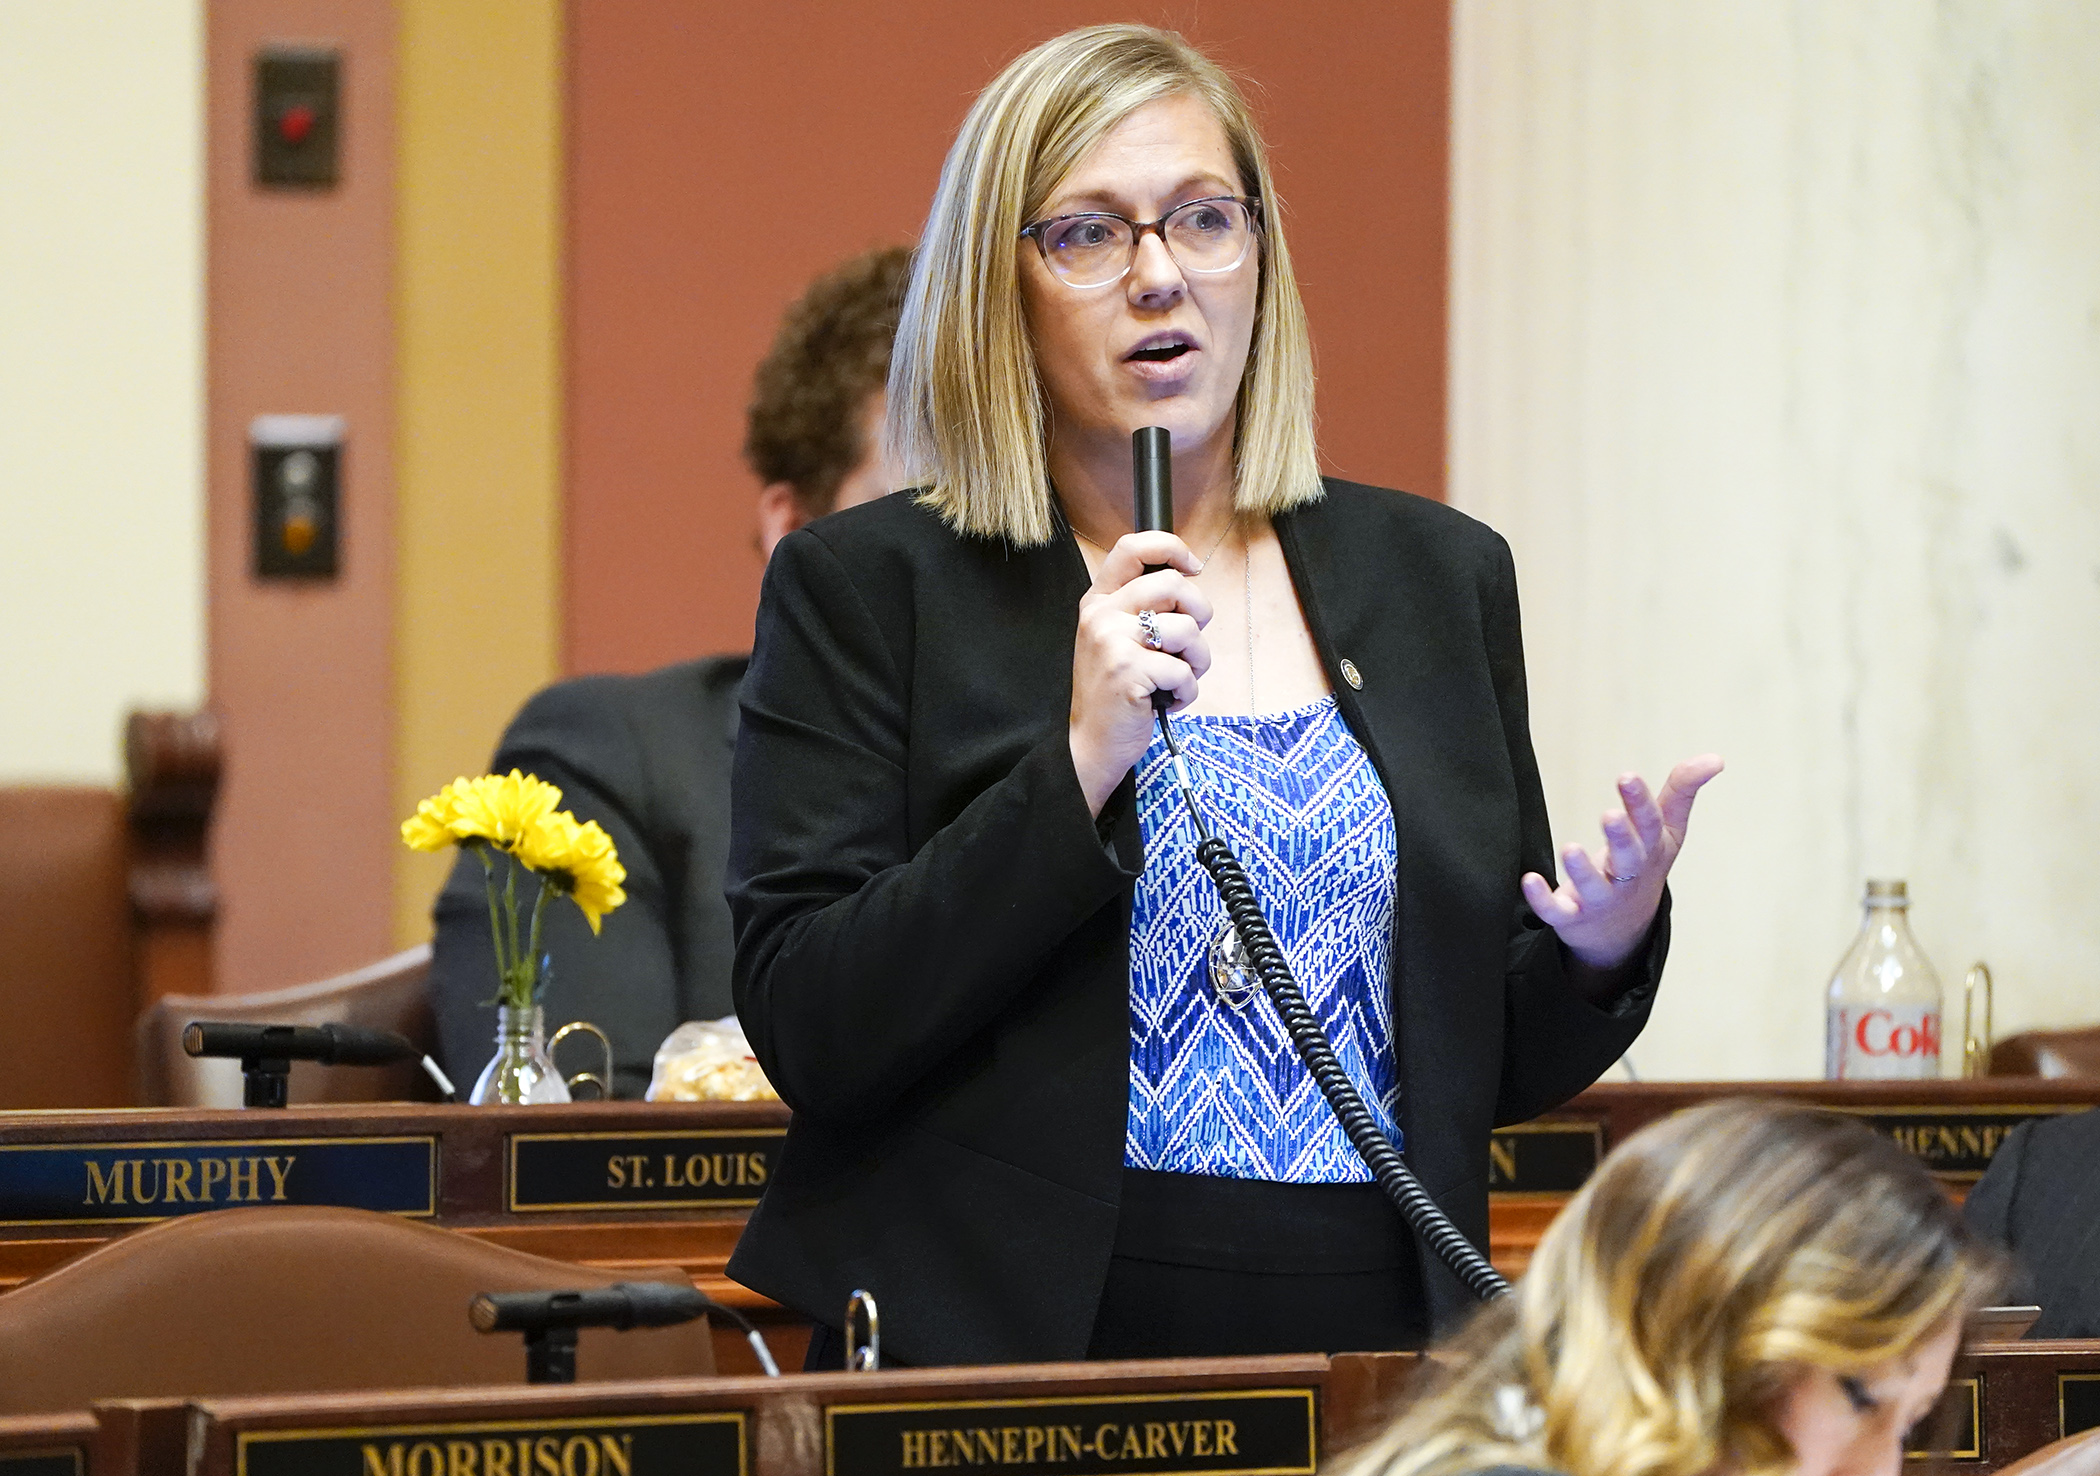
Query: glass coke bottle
<point>1883,1005</point>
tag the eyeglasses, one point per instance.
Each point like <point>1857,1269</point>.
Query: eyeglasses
<point>1097,248</point>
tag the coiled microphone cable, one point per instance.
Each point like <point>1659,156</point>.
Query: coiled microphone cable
<point>1236,891</point>
<point>1153,499</point>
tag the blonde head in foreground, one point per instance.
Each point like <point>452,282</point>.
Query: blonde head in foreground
<point>968,415</point>
<point>1746,1287</point>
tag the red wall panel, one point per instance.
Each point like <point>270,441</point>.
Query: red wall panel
<point>722,155</point>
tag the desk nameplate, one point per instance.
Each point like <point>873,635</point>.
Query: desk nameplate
<point>59,1461</point>
<point>139,1182</point>
<point>1956,1142</point>
<point>711,1444</point>
<point>1544,1157</point>
<point>694,1168</point>
<point>1963,1400</point>
<point>2077,1404</point>
<point>1226,1432</point>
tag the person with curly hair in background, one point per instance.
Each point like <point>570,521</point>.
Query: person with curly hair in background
<point>648,756</point>
<point>1752,1288</point>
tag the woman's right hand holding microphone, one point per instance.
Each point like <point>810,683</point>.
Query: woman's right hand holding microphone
<point>1115,668</point>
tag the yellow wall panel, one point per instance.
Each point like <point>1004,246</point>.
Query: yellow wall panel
<point>478,314</point>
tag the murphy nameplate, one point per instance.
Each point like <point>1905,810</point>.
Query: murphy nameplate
<point>713,1444</point>
<point>1240,1431</point>
<point>1543,1157</point>
<point>67,1462</point>
<point>1955,1142</point>
<point>699,1167</point>
<point>97,1183</point>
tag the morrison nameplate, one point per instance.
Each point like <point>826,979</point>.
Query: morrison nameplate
<point>1543,1157</point>
<point>700,1168</point>
<point>1235,1432</point>
<point>712,1444</point>
<point>101,1183</point>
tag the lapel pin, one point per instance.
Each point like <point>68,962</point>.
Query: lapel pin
<point>1351,675</point>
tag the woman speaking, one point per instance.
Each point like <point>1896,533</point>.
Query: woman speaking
<point>1042,1110</point>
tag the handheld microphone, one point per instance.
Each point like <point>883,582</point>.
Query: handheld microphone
<point>333,1045</point>
<point>549,1320</point>
<point>1152,493</point>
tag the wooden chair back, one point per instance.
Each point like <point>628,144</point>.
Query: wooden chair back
<point>2048,1053</point>
<point>105,903</point>
<point>390,994</point>
<point>288,1299</point>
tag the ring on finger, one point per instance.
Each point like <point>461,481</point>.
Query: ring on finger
<point>1148,623</point>
<point>1620,881</point>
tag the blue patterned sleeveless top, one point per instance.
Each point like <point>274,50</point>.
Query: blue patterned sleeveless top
<point>1221,1091</point>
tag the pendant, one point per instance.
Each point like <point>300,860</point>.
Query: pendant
<point>1232,974</point>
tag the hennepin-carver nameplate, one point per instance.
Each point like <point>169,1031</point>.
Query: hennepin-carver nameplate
<point>695,1168</point>
<point>97,1183</point>
<point>1236,1432</point>
<point>710,1444</point>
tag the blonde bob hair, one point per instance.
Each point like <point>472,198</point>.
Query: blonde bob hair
<point>967,418</point>
<point>1710,1261</point>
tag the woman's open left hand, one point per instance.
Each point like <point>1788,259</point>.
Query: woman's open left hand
<point>1603,909</point>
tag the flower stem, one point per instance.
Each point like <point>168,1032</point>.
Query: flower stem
<point>488,878</point>
<point>539,908</point>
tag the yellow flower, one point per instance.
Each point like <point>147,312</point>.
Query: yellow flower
<point>430,828</point>
<point>494,808</point>
<point>579,861</point>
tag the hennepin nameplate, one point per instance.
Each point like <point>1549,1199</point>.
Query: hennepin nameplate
<point>710,1444</point>
<point>1238,1432</point>
<point>1544,1157</point>
<point>1955,1142</point>
<point>667,1170</point>
<point>95,1183</point>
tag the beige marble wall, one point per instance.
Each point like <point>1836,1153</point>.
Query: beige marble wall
<point>101,377</point>
<point>1776,355</point>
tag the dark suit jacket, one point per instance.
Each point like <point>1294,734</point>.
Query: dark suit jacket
<point>2041,1198</point>
<point>933,934</point>
<point>647,757</point>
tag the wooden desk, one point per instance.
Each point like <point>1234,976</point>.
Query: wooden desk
<point>2009,1400</point>
<point>1222,1417</point>
<point>620,1184</point>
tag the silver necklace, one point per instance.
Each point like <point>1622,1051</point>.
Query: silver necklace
<point>1229,526</point>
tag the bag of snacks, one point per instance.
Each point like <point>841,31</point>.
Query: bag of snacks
<point>708,1061</point>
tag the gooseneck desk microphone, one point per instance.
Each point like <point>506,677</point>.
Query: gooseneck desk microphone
<point>1153,496</point>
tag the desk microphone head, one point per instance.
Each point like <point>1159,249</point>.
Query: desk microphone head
<point>334,1045</point>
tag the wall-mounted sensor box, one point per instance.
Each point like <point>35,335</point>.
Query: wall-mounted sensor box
<point>297,116</point>
<point>296,467</point>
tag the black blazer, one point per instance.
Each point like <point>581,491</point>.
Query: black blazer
<point>933,933</point>
<point>2041,1199</point>
<point>647,757</point>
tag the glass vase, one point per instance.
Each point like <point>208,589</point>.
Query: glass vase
<point>521,1071</point>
